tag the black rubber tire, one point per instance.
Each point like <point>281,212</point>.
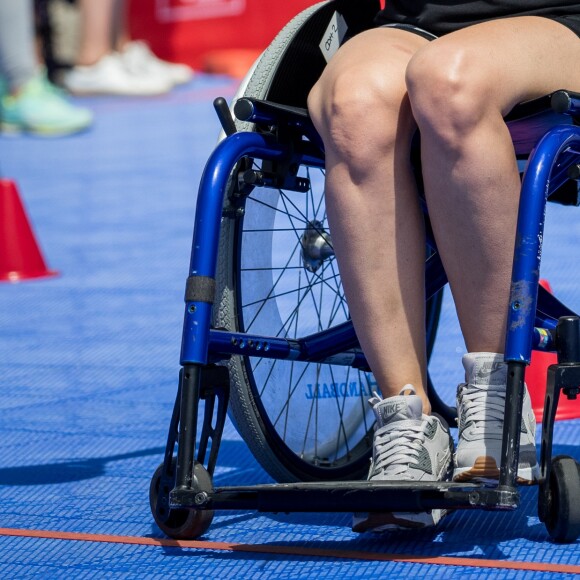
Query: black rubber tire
<point>269,401</point>
<point>562,513</point>
<point>180,524</point>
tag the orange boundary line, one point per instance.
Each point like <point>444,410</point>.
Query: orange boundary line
<point>293,551</point>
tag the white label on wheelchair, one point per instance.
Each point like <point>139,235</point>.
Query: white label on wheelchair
<point>333,36</point>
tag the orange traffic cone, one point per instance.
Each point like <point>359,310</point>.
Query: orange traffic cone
<point>20,256</point>
<point>536,377</point>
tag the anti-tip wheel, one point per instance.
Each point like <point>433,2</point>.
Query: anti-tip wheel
<point>180,524</point>
<point>562,511</point>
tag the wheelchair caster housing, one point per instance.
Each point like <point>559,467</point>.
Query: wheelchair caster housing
<point>558,501</point>
<point>180,524</point>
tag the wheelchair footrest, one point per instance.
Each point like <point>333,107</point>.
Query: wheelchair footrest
<point>348,496</point>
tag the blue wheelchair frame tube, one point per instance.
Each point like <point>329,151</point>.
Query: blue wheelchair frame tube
<point>198,341</point>
<point>204,251</point>
<point>521,336</point>
<point>530,230</point>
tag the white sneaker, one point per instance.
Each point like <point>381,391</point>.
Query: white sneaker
<point>110,76</point>
<point>407,446</point>
<point>480,410</point>
<point>139,58</point>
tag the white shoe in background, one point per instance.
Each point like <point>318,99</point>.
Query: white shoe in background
<point>111,76</point>
<point>139,58</point>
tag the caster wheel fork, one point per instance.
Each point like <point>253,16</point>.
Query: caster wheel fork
<point>181,523</point>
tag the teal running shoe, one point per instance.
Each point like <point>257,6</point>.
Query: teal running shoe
<point>41,109</point>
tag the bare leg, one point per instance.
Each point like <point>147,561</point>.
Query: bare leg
<point>121,35</point>
<point>361,110</point>
<point>460,86</point>
<point>97,30</point>
<point>17,58</point>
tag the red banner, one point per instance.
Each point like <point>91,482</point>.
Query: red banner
<point>190,30</point>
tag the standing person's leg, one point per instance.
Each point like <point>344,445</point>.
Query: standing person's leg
<point>361,109</point>
<point>28,102</point>
<point>17,57</point>
<point>99,68</point>
<point>460,87</point>
<point>121,35</point>
<point>97,30</point>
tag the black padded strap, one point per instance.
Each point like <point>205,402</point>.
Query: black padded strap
<point>200,289</point>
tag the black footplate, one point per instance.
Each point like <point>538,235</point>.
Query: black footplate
<point>347,496</point>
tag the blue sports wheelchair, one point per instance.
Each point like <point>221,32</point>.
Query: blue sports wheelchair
<point>267,334</point>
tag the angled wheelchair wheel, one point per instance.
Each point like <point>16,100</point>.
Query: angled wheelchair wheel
<point>562,509</point>
<point>277,276</point>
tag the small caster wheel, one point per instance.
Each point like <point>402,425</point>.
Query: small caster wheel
<point>181,524</point>
<point>560,507</point>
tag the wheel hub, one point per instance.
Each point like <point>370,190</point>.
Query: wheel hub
<point>316,246</point>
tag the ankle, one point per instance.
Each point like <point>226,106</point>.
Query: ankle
<point>91,59</point>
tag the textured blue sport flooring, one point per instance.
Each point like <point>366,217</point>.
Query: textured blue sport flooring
<point>89,367</point>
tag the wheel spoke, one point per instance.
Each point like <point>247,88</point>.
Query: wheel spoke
<point>297,397</point>
<point>296,290</point>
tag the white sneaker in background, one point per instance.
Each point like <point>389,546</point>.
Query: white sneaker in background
<point>480,410</point>
<point>110,76</point>
<point>138,57</point>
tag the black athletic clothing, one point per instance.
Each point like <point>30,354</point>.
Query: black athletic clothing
<point>441,17</point>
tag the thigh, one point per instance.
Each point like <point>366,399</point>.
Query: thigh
<point>511,60</point>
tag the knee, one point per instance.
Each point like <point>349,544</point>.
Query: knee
<point>358,112</point>
<point>449,93</point>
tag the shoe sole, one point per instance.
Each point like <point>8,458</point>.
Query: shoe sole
<point>387,521</point>
<point>10,129</point>
<point>485,470</point>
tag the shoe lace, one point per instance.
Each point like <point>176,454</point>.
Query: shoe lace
<point>481,406</point>
<point>397,446</point>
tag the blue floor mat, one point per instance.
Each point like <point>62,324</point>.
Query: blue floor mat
<point>89,363</point>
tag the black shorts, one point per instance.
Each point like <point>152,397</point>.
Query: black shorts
<point>571,22</point>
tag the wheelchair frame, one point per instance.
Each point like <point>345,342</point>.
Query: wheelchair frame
<point>182,494</point>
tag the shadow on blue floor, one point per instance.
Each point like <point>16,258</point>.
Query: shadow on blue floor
<point>62,472</point>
